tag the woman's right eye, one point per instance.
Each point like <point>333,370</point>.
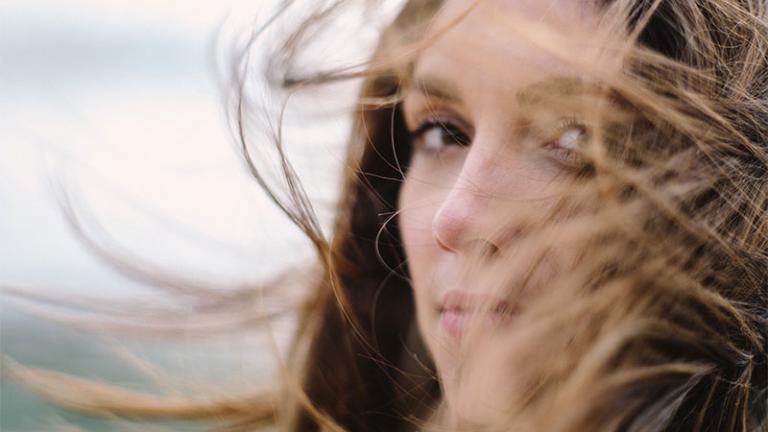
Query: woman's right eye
<point>437,135</point>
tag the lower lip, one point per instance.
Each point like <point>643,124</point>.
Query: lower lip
<point>456,322</point>
<point>453,322</point>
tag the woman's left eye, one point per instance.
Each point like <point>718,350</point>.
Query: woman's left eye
<point>567,142</point>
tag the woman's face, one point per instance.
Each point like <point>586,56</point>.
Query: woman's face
<point>481,157</point>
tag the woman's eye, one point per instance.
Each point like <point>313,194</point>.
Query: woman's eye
<point>566,146</point>
<point>437,135</point>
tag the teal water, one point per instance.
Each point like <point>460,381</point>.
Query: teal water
<point>36,343</point>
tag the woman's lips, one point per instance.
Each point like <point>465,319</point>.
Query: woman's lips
<point>460,309</point>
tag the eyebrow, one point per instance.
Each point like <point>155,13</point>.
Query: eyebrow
<point>540,91</point>
<point>432,86</point>
<point>440,88</point>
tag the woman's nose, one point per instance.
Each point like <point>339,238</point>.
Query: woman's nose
<point>458,225</point>
<point>452,222</point>
<point>470,216</point>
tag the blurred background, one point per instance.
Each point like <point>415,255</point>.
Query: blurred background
<point>118,106</point>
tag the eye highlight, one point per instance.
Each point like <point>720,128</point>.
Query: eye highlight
<point>438,134</point>
<point>564,142</point>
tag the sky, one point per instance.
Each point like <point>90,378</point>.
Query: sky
<point>117,103</point>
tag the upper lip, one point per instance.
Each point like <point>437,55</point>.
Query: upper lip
<point>466,302</point>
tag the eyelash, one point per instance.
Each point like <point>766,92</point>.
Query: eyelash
<point>569,153</point>
<point>451,134</point>
<point>455,133</point>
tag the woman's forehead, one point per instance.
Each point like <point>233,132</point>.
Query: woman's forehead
<point>563,12</point>
<point>505,45</point>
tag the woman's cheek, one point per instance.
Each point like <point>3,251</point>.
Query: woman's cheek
<point>415,219</point>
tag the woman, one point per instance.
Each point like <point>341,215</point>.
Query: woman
<point>568,201</point>
<point>554,219</point>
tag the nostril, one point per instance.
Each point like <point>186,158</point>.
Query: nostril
<point>484,249</point>
<point>489,250</point>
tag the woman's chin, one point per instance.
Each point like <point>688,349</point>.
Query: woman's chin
<point>473,404</point>
<point>480,380</point>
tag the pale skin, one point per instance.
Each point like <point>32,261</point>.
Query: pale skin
<point>476,161</point>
